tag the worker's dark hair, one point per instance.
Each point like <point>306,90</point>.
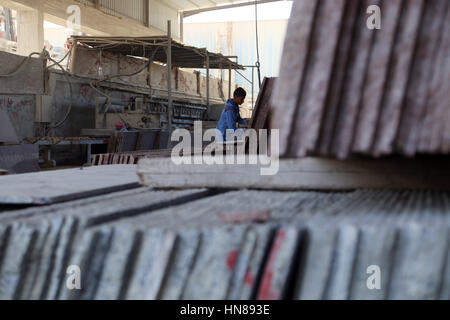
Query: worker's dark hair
<point>239,92</point>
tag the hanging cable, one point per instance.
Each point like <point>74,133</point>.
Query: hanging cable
<point>21,65</point>
<point>45,55</point>
<point>64,58</point>
<point>94,83</point>
<point>69,109</point>
<point>257,64</point>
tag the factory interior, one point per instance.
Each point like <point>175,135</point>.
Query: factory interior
<point>335,186</point>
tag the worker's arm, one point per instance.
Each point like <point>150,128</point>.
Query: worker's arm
<point>241,121</point>
<point>229,117</point>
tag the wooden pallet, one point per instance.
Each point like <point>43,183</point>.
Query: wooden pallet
<point>128,157</point>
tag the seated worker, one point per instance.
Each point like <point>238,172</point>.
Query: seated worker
<point>230,114</point>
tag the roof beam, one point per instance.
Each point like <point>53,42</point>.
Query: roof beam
<point>169,4</point>
<point>188,13</point>
<point>93,21</point>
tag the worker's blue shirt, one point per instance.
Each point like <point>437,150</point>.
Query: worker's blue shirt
<point>229,117</point>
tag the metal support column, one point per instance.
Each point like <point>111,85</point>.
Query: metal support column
<point>89,154</point>
<point>147,13</point>
<point>10,28</point>
<point>169,78</point>
<point>229,82</point>
<point>229,74</point>
<point>253,88</point>
<point>207,83</point>
<point>182,27</point>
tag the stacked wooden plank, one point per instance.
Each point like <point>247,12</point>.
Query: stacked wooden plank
<point>145,244</point>
<point>309,173</point>
<point>346,89</point>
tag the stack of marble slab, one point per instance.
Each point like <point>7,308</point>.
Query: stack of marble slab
<point>146,244</point>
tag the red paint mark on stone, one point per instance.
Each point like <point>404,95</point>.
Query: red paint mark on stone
<point>243,216</point>
<point>83,91</point>
<point>249,279</point>
<point>266,292</point>
<point>232,259</point>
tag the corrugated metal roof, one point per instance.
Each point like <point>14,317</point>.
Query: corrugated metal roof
<point>134,9</point>
<point>182,55</point>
